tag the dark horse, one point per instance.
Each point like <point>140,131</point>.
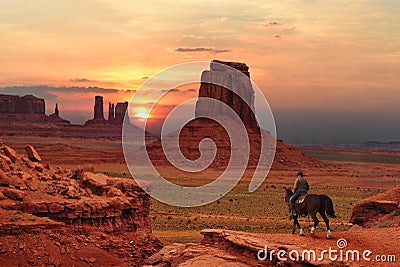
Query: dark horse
<point>312,205</point>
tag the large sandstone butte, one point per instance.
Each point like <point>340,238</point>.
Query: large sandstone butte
<point>199,128</point>
<point>381,210</point>
<point>240,95</point>
<point>67,208</point>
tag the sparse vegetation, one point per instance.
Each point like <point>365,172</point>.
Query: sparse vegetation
<point>262,211</point>
<point>15,219</point>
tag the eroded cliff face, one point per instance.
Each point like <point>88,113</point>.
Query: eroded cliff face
<point>98,109</point>
<point>382,210</point>
<point>37,197</point>
<point>15,111</point>
<point>29,104</point>
<point>215,84</point>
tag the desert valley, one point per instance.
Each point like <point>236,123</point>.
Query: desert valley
<point>67,197</point>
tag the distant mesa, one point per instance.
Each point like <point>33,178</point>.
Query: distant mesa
<point>116,113</point>
<point>29,104</point>
<point>30,108</point>
<point>25,116</point>
<point>27,108</point>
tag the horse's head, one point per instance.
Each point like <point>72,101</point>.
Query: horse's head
<point>288,194</point>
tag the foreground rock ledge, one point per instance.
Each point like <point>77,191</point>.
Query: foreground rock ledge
<point>381,210</point>
<point>232,248</point>
<point>65,210</point>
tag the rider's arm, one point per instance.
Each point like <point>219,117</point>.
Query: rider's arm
<point>296,186</point>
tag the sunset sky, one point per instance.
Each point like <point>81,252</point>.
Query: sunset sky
<point>329,69</point>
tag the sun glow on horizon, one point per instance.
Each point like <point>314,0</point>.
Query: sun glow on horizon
<point>142,115</point>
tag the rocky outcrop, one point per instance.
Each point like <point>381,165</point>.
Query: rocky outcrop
<point>73,201</point>
<point>56,111</point>
<point>68,196</point>
<point>56,119</point>
<point>214,84</point>
<point>98,109</point>
<point>32,154</point>
<point>96,183</point>
<point>116,113</point>
<point>111,110</point>
<point>232,248</point>
<point>28,104</point>
<point>98,112</point>
<point>382,210</point>
<point>120,110</point>
<point>10,153</point>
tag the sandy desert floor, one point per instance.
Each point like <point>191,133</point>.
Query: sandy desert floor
<point>347,179</point>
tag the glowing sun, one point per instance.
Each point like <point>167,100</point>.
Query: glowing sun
<point>142,115</point>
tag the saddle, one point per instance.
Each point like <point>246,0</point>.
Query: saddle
<point>301,198</point>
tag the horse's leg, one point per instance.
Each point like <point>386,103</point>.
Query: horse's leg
<point>316,221</point>
<point>298,225</point>
<point>326,220</point>
<point>294,224</point>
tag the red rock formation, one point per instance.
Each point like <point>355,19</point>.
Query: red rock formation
<point>55,117</point>
<point>116,113</point>
<point>98,109</point>
<point>240,249</point>
<point>32,154</point>
<point>111,110</point>
<point>16,109</point>
<point>379,210</point>
<point>56,111</point>
<point>73,202</point>
<point>28,104</point>
<point>241,93</point>
<point>52,184</point>
<point>199,128</point>
<point>32,124</point>
<point>120,110</point>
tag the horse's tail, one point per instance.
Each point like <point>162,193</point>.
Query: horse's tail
<point>327,201</point>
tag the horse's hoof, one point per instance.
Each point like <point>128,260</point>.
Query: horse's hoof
<point>328,235</point>
<point>301,232</point>
<point>312,231</point>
